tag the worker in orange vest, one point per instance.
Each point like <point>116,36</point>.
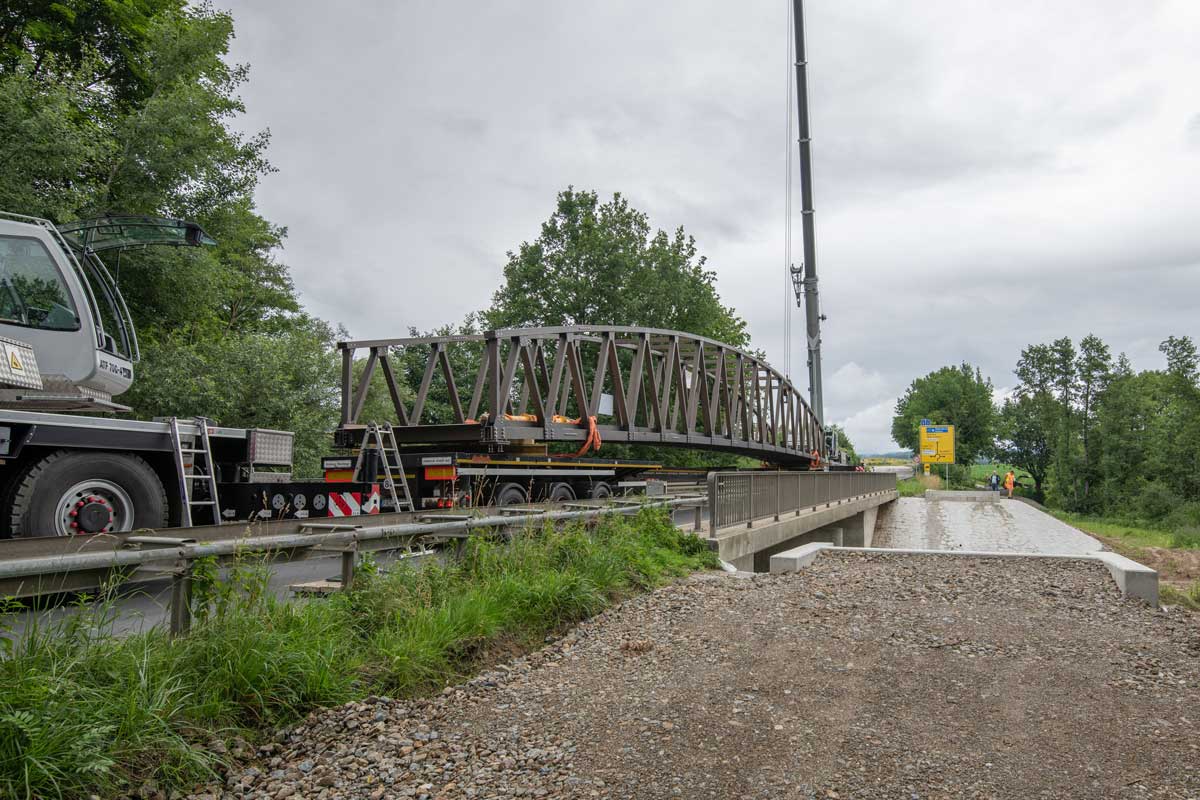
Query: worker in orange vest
<point>1010,480</point>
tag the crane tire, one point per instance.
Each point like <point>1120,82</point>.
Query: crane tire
<point>510,494</point>
<point>601,490</point>
<point>560,493</point>
<point>121,485</point>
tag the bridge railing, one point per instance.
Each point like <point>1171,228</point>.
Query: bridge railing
<point>742,498</point>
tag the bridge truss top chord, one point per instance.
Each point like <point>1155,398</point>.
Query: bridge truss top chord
<point>624,385</point>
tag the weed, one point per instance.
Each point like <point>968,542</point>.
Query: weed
<point>1188,597</point>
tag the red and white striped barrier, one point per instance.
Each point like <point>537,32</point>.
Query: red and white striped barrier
<point>350,504</point>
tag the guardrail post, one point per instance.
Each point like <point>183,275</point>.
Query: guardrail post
<point>181,598</point>
<point>778,493</point>
<point>349,564</point>
<point>698,522</point>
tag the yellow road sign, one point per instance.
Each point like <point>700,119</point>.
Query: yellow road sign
<point>937,444</point>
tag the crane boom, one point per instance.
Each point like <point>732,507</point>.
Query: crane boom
<point>812,307</point>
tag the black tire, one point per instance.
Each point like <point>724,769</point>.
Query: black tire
<point>601,491</point>
<point>37,502</point>
<point>560,493</point>
<point>510,494</point>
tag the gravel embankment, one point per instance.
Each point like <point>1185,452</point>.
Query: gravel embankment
<point>865,676</point>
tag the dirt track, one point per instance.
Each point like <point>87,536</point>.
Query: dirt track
<point>865,676</point>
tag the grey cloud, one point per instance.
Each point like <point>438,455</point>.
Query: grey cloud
<point>987,174</point>
<point>1192,132</point>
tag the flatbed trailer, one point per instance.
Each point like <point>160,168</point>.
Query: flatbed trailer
<point>450,479</point>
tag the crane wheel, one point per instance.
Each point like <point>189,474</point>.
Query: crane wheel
<point>71,492</point>
<point>601,490</point>
<point>560,493</point>
<point>510,494</point>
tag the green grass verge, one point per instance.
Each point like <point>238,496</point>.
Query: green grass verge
<point>1188,597</point>
<point>1129,534</point>
<point>83,711</point>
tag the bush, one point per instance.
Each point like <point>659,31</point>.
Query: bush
<point>1155,500</point>
<point>1186,538</point>
<point>85,711</point>
<point>1186,515</point>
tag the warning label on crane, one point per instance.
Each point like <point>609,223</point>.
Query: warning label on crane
<point>937,444</point>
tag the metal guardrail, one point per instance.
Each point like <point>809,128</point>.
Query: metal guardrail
<point>162,556</point>
<point>741,498</point>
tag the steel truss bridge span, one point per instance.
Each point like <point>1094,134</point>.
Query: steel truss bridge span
<point>626,385</point>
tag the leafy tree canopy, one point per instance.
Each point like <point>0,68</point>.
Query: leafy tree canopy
<point>125,107</point>
<point>958,396</point>
<point>602,264</point>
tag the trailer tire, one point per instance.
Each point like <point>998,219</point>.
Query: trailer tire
<point>510,494</point>
<point>560,493</point>
<point>98,482</point>
<point>601,491</point>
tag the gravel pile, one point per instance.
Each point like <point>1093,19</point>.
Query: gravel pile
<point>867,675</point>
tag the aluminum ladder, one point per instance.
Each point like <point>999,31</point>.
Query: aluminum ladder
<point>382,439</point>
<point>200,451</point>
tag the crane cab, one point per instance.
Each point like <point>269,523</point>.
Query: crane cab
<point>58,298</point>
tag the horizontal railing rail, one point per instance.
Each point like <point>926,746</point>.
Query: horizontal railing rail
<point>742,498</point>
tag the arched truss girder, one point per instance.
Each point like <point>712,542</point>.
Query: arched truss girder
<point>666,388</point>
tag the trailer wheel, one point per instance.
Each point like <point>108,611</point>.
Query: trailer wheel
<point>560,493</point>
<point>510,494</point>
<point>69,493</point>
<point>601,491</point>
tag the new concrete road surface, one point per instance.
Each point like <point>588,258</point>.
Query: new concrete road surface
<point>867,675</point>
<point>914,523</point>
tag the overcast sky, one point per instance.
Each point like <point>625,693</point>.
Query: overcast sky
<point>989,173</point>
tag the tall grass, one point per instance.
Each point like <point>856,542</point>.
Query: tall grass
<point>917,485</point>
<point>83,711</point>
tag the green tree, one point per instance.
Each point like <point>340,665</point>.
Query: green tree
<point>1094,370</point>
<point>127,107</point>
<point>958,396</point>
<point>602,264</point>
<point>845,445</point>
<point>104,41</point>
<point>282,380</point>
<point>1023,437</point>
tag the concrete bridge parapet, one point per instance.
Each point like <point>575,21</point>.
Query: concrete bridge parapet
<point>848,522</point>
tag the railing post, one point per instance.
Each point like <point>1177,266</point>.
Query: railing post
<point>181,598</point>
<point>750,503</point>
<point>713,507</point>
<point>799,489</point>
<point>778,493</point>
